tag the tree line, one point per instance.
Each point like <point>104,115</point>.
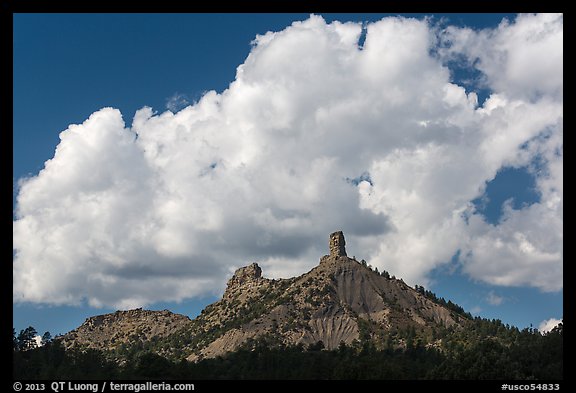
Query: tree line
<point>489,351</point>
<point>29,339</point>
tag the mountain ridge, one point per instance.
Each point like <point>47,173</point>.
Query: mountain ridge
<point>338,302</point>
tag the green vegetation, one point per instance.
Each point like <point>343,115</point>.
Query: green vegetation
<point>448,304</point>
<point>486,350</point>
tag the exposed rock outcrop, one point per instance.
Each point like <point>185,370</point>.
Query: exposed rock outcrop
<point>332,303</point>
<point>339,301</point>
<point>337,244</point>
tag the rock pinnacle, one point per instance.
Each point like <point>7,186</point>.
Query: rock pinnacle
<point>337,244</point>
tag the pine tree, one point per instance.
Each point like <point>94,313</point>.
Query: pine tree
<point>26,339</point>
<point>46,338</point>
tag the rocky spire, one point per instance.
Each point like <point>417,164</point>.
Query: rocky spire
<point>337,244</point>
<point>243,276</point>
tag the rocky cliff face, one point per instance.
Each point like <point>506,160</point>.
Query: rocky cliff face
<point>339,301</point>
<point>336,302</point>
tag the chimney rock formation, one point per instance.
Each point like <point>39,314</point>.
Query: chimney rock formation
<point>337,244</point>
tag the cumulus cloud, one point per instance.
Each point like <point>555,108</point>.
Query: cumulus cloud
<point>523,58</point>
<point>165,209</point>
<point>548,324</point>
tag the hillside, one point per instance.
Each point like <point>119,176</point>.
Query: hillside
<point>109,332</point>
<point>339,301</point>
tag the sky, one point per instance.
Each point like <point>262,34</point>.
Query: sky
<point>154,154</point>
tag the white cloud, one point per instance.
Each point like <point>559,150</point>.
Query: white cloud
<point>259,172</point>
<point>523,58</point>
<point>548,324</point>
<point>177,102</point>
<point>475,310</point>
<point>525,249</point>
<point>494,299</point>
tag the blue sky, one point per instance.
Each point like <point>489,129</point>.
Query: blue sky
<point>68,66</point>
